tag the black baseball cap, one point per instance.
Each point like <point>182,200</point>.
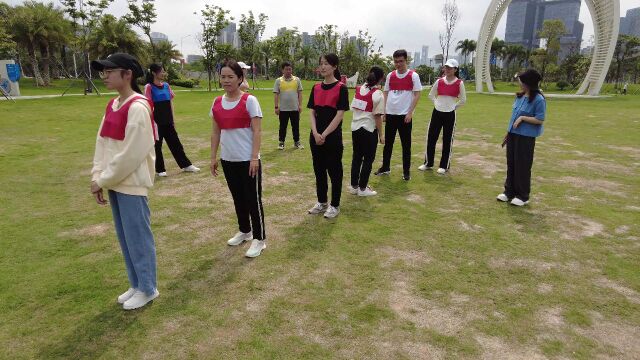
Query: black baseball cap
<point>119,60</point>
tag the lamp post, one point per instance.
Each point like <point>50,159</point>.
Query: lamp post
<point>182,38</point>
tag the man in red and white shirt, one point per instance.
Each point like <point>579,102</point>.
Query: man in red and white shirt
<point>401,94</point>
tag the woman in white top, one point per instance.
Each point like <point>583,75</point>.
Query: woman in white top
<point>448,95</point>
<point>366,131</point>
<point>236,123</point>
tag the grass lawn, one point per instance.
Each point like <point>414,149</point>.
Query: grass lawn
<point>430,268</point>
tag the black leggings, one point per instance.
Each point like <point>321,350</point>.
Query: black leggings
<point>445,121</point>
<point>327,159</point>
<point>364,152</point>
<point>247,196</point>
<point>284,122</point>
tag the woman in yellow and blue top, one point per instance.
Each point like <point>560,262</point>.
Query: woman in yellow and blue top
<point>526,124</point>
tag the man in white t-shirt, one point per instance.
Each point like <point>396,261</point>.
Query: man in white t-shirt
<point>401,94</point>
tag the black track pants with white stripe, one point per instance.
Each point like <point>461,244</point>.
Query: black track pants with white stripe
<point>247,196</point>
<point>445,121</point>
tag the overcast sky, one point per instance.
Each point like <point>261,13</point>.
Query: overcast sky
<point>416,23</point>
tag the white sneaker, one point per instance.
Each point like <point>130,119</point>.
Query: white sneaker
<point>239,238</point>
<point>424,167</point>
<point>191,169</point>
<point>126,296</point>
<point>162,174</point>
<point>352,190</point>
<point>442,171</point>
<point>502,197</point>
<point>331,212</point>
<point>318,208</point>
<point>256,248</point>
<point>367,192</point>
<point>517,202</point>
<point>139,299</point>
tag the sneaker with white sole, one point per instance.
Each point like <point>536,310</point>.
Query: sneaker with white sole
<point>256,248</point>
<point>239,238</point>
<point>406,176</point>
<point>191,169</point>
<point>352,190</point>
<point>139,299</point>
<point>298,145</point>
<point>126,295</point>
<point>442,171</point>
<point>382,171</point>
<point>318,208</point>
<point>424,167</point>
<point>162,174</point>
<point>332,212</point>
<point>517,202</point>
<point>367,192</point>
<point>502,197</point>
<point>281,146</point>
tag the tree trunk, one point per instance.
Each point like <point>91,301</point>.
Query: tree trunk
<point>46,64</point>
<point>34,63</point>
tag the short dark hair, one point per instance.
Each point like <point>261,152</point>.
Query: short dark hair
<point>400,53</point>
<point>233,65</point>
<point>285,64</point>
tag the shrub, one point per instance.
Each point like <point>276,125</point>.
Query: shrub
<point>561,85</point>
<point>187,83</point>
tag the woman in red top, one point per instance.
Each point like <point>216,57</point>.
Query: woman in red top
<point>328,101</point>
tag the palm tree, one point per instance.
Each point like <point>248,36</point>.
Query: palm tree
<point>56,33</point>
<point>514,53</point>
<point>466,47</point>
<point>113,35</point>
<point>165,52</point>
<point>306,54</point>
<point>27,31</point>
<point>266,50</point>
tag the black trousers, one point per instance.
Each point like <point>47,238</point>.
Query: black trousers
<point>284,122</point>
<point>327,159</point>
<point>364,152</point>
<point>519,161</point>
<point>168,132</point>
<point>445,121</point>
<point>247,196</point>
<point>393,124</point>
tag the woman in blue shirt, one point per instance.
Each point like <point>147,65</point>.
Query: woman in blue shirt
<point>158,91</point>
<point>527,119</point>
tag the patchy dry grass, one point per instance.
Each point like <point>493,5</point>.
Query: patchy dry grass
<point>433,268</point>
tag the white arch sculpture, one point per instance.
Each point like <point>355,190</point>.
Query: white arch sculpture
<point>606,23</point>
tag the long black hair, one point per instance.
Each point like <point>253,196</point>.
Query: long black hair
<point>375,75</point>
<point>333,60</point>
<point>153,69</point>
<point>531,79</point>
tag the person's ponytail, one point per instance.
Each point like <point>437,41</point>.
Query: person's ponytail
<point>153,69</point>
<point>134,85</point>
<point>375,75</point>
<point>336,73</point>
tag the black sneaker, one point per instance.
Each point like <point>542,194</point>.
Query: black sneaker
<point>382,171</point>
<point>406,176</point>
<point>281,145</point>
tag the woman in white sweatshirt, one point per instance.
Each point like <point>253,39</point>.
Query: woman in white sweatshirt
<point>124,165</point>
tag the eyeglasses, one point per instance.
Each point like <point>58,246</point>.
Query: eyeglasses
<point>105,73</point>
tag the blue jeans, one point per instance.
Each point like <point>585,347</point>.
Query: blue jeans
<point>131,217</point>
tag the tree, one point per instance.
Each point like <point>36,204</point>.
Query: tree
<point>165,52</point>
<point>85,16</point>
<point>326,39</point>
<point>426,73</point>
<point>214,20</point>
<point>143,16</point>
<point>450,15</point>
<point>626,48</point>
<point>551,31</point>
<point>286,45</point>
<point>113,35</point>
<point>514,54</point>
<point>307,52</point>
<point>27,29</point>
<point>266,51</point>
<point>8,46</point>
<point>466,48</point>
<point>250,32</point>
<point>539,60</point>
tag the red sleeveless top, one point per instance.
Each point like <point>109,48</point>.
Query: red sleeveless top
<point>366,98</point>
<point>406,83</point>
<point>329,97</point>
<point>115,121</point>
<point>236,118</point>
<point>452,90</point>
